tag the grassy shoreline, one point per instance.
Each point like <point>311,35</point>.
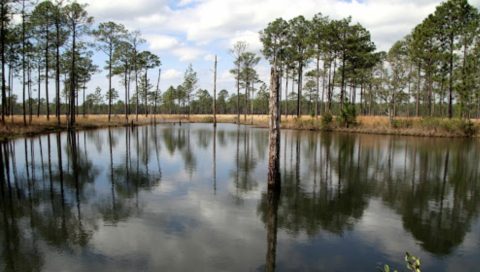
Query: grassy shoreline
<point>423,127</point>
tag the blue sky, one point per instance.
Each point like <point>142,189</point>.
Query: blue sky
<point>193,31</point>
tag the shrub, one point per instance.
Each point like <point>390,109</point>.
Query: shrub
<point>327,120</point>
<point>456,126</point>
<point>348,115</point>
<point>468,128</point>
<point>401,123</point>
<point>310,123</point>
<point>430,123</point>
<point>206,119</point>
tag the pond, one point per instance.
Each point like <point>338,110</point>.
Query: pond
<point>193,198</point>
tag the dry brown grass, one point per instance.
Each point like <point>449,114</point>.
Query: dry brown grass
<point>15,127</point>
<point>366,124</point>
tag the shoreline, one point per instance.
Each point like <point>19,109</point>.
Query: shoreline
<point>377,125</point>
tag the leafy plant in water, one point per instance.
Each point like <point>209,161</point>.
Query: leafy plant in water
<point>412,262</point>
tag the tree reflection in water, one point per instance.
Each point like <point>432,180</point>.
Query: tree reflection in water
<point>434,190</point>
<point>60,191</point>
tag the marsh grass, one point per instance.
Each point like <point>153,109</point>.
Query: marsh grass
<point>412,126</point>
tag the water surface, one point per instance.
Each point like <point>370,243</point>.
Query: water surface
<point>191,198</point>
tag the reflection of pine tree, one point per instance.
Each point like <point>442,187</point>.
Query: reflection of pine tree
<point>435,192</point>
<point>127,179</point>
<point>245,163</point>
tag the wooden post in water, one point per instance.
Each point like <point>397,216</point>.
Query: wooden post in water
<point>274,131</point>
<point>215,93</point>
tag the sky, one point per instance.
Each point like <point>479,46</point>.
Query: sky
<point>181,32</point>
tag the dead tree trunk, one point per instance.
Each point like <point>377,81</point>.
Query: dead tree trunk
<point>215,93</point>
<point>274,132</point>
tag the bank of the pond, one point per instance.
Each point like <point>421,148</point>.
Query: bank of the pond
<point>425,127</point>
<point>14,127</point>
<point>404,126</point>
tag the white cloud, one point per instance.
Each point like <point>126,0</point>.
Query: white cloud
<point>183,3</point>
<point>122,10</point>
<point>210,58</point>
<point>203,22</point>
<point>225,76</point>
<point>150,20</point>
<point>161,42</point>
<point>170,74</point>
<point>187,53</point>
<point>252,39</point>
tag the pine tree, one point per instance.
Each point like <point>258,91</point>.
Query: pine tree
<point>109,35</point>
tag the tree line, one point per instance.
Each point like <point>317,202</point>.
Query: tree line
<point>433,71</point>
<point>55,40</point>
<point>325,66</point>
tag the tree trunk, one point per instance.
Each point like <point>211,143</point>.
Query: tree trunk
<point>354,93</point>
<point>30,111</point>
<point>146,93</point>
<point>110,82</point>
<point>157,93</point>
<point>46,73</point>
<point>10,89</point>
<point>322,105</point>
<point>215,93</point>
<point>57,68</point>
<point>84,105</point>
<point>72,81</point>
<point>39,87</point>
<point>245,105</point>
<point>409,87</point>
<point>286,93</point>
<point>136,82</point>
<point>318,87</point>
<point>429,94</point>
<point>126,93</point>
<point>362,106</point>
<point>293,86</point>
<point>251,103</point>
<point>333,79</point>
<point>129,111</point>
<point>23,65</point>
<point>238,93</point>
<point>450,87</point>
<point>2,53</point>
<point>370,103</point>
<point>464,74</point>
<point>76,104</point>
<point>299,88</point>
<point>342,88</point>
<point>417,102</point>
<point>329,93</point>
<point>274,132</point>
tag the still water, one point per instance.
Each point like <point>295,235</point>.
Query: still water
<point>191,198</point>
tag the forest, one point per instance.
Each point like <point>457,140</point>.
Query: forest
<point>326,65</point>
